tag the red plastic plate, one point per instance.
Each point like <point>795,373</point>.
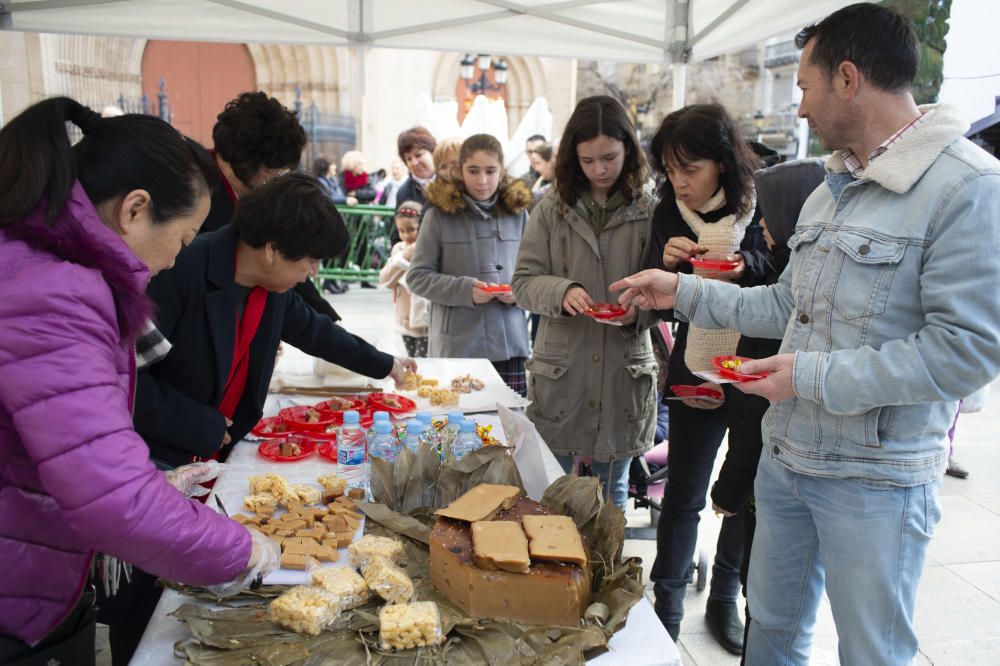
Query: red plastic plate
<point>732,374</point>
<point>497,289</point>
<point>272,449</point>
<point>329,450</point>
<point>297,417</point>
<point>713,264</point>
<point>688,391</point>
<point>391,402</point>
<point>272,427</point>
<point>340,403</point>
<point>605,311</point>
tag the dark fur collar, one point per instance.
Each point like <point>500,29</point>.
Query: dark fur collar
<point>445,195</point>
<point>78,235</point>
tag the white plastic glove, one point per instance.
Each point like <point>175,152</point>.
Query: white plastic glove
<point>187,477</point>
<point>264,558</point>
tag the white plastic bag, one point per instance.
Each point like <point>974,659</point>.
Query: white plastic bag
<point>538,467</point>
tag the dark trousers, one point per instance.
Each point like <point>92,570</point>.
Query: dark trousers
<point>749,526</point>
<point>71,642</point>
<point>695,436</point>
<point>127,613</point>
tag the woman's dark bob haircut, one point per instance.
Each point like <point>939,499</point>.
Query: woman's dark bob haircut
<point>294,214</point>
<point>706,132</point>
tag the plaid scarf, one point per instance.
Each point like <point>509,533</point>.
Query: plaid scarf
<point>151,346</point>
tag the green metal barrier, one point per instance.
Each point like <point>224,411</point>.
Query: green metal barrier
<point>370,230</point>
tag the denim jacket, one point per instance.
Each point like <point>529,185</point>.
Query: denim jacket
<point>889,303</point>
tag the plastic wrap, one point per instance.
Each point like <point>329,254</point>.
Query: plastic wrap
<point>405,626</point>
<point>387,580</point>
<point>304,610</point>
<point>346,586</point>
<point>369,546</point>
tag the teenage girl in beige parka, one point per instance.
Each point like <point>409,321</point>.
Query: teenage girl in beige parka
<point>592,384</point>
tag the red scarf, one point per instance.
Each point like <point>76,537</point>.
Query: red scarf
<point>354,181</point>
<point>239,370</point>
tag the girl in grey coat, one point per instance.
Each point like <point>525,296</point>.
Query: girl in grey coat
<point>593,385</point>
<point>465,254</point>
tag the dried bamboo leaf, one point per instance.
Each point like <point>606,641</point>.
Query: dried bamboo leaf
<point>396,522</point>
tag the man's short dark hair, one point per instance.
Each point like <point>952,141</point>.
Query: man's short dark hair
<point>255,131</point>
<point>880,43</point>
<point>295,215</point>
<point>536,137</point>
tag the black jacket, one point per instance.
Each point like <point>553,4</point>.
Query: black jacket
<point>176,399</point>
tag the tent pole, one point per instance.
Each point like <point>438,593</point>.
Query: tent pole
<point>680,79</point>
<point>680,50</point>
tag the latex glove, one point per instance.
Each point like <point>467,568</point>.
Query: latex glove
<point>265,555</point>
<point>187,477</point>
<point>401,366</point>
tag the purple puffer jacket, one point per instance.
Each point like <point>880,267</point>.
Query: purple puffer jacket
<point>74,475</point>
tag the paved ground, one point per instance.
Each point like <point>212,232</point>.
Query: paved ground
<point>958,608</point>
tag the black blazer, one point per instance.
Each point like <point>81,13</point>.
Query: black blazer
<point>176,399</point>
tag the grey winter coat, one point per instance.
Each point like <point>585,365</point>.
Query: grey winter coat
<point>592,386</point>
<point>457,244</point>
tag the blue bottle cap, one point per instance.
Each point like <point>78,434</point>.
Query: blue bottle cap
<point>383,427</point>
<point>381,416</point>
<point>351,417</point>
<point>424,417</point>
<point>455,417</point>
<point>414,427</point>
<point>468,425</point>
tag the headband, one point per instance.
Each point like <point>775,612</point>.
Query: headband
<point>408,212</point>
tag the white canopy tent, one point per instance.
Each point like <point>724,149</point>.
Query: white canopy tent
<point>671,31</point>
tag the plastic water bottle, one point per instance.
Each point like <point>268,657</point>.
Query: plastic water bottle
<point>414,434</point>
<point>376,417</point>
<point>384,444</point>
<point>352,451</point>
<point>431,435</point>
<point>450,432</point>
<point>467,441</point>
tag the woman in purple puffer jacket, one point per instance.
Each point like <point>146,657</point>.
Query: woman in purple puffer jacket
<point>81,231</point>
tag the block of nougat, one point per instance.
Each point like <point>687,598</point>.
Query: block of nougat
<point>333,484</point>
<point>307,494</point>
<point>345,585</point>
<point>387,580</point>
<point>500,544</point>
<point>304,610</point>
<point>481,502</point>
<point>258,501</point>
<point>406,626</point>
<point>296,561</point>
<point>554,539</point>
<point>370,546</point>
<point>273,484</point>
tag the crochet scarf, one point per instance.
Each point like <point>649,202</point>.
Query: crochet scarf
<point>721,238</point>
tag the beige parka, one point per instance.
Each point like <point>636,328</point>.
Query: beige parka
<point>592,386</point>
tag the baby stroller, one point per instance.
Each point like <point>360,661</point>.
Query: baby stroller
<point>648,474</point>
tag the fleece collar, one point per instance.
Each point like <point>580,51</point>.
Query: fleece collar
<point>899,168</point>
<point>78,235</point>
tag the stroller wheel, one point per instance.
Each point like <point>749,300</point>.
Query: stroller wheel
<point>701,571</point>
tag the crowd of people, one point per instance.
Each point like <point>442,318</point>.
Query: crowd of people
<point>146,284</point>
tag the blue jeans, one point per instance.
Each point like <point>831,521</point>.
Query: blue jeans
<point>867,540</point>
<point>616,487</point>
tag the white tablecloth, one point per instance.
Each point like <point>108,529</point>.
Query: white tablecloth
<point>642,642</point>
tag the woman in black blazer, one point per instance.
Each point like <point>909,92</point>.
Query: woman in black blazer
<point>226,305</point>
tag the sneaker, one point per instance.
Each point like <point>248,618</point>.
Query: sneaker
<point>723,620</point>
<point>956,470</point>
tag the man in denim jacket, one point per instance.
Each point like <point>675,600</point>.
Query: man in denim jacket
<point>888,315</point>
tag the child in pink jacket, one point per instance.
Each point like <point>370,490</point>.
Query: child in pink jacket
<point>411,310</point>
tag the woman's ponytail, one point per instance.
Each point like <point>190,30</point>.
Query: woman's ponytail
<point>36,159</point>
<point>115,156</point>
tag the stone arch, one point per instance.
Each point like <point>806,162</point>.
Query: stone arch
<point>525,82</point>
<point>317,69</point>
